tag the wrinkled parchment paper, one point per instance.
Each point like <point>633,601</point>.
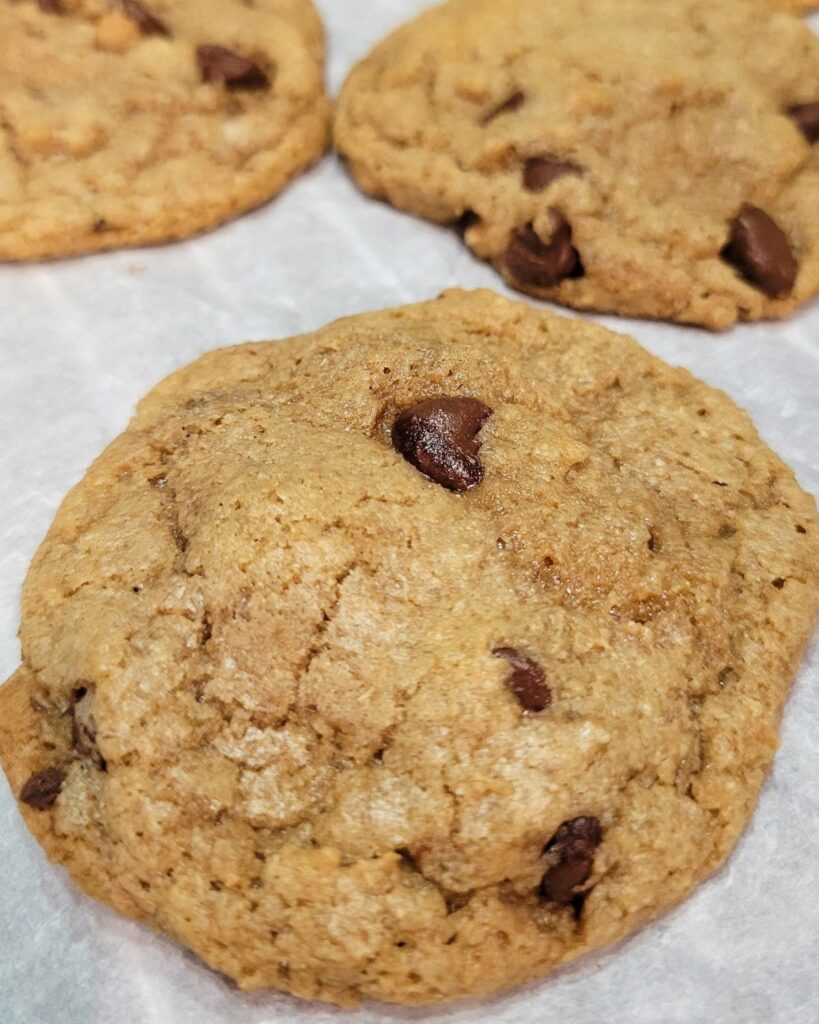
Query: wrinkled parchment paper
<point>82,340</point>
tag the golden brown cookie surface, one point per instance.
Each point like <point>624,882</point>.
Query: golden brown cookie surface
<point>601,154</point>
<point>123,122</point>
<point>797,6</point>
<point>413,657</point>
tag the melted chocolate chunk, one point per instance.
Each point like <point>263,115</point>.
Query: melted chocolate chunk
<point>540,171</point>
<point>806,116</point>
<point>218,64</point>
<point>760,251</point>
<point>571,849</point>
<point>531,261</point>
<point>147,23</point>
<point>527,681</point>
<point>43,788</point>
<point>439,437</point>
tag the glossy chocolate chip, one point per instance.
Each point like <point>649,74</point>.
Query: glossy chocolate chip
<point>531,261</point>
<point>527,681</point>
<point>507,106</point>
<point>806,116</point>
<point>147,23</point>
<point>43,788</point>
<point>540,171</point>
<point>84,729</point>
<point>218,64</point>
<point>571,850</point>
<point>439,437</point>
<point>760,251</point>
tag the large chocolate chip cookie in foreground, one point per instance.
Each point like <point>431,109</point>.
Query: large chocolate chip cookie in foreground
<point>413,657</point>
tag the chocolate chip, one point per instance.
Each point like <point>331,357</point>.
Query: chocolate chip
<point>467,220</point>
<point>218,64</point>
<point>540,171</point>
<point>43,788</point>
<point>806,116</point>
<point>571,849</point>
<point>527,681</point>
<point>439,437</point>
<point>531,261</point>
<point>578,902</point>
<point>50,6</point>
<point>147,23</point>
<point>760,251</point>
<point>507,106</point>
<point>456,901</point>
<point>84,728</point>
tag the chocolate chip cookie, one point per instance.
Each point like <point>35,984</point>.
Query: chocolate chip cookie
<point>124,122</point>
<point>413,657</point>
<point>650,159</point>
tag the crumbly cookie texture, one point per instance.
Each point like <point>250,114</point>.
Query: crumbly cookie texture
<point>601,154</point>
<point>413,657</point>
<point>125,122</point>
<point>799,6</point>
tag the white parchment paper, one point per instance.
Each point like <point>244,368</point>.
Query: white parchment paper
<point>82,340</point>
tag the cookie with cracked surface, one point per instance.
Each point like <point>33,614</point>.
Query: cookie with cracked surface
<point>413,657</point>
<point>127,122</point>
<point>601,154</point>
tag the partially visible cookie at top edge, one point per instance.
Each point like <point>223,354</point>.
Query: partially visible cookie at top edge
<point>674,176</point>
<point>191,113</point>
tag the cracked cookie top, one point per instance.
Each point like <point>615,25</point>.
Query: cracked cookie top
<point>412,657</point>
<point>650,159</point>
<point>124,122</point>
